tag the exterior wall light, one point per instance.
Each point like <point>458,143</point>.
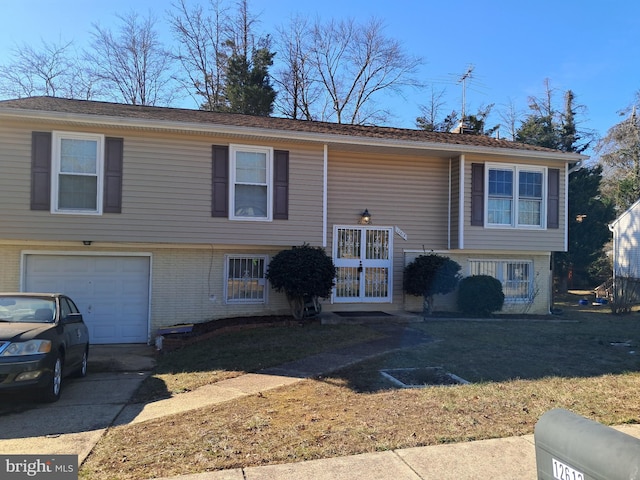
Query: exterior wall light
<point>86,242</point>
<point>365,219</point>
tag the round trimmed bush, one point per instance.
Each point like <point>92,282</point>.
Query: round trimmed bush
<point>304,273</point>
<point>480,295</point>
<point>429,275</point>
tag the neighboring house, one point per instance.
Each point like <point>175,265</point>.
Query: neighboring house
<point>626,251</point>
<point>150,217</point>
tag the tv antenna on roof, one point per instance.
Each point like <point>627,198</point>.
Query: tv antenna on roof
<point>463,79</point>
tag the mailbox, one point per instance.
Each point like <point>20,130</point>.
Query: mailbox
<point>571,447</point>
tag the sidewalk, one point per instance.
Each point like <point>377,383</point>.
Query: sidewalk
<point>497,459</point>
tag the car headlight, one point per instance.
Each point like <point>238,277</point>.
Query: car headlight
<point>32,347</point>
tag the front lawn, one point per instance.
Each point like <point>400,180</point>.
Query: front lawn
<point>585,361</point>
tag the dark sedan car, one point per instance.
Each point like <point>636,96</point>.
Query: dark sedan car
<point>42,340</point>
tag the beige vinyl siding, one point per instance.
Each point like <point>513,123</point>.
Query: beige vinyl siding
<point>407,191</point>
<point>166,195</point>
<point>454,230</point>
<point>496,238</point>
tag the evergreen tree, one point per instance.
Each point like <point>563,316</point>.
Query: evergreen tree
<point>249,88</point>
<point>588,213</point>
<point>471,124</point>
<point>589,216</point>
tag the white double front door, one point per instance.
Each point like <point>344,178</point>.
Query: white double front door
<point>363,257</point>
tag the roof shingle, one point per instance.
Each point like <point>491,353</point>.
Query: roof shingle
<point>182,115</point>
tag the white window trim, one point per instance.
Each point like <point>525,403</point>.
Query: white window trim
<point>233,149</point>
<point>502,265</point>
<point>57,137</point>
<point>516,185</point>
<point>264,300</point>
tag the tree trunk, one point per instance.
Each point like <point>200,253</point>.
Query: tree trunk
<point>297,307</point>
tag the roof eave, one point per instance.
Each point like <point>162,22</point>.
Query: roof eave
<point>222,129</point>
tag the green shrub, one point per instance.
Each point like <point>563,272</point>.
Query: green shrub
<point>304,273</point>
<point>429,275</point>
<point>480,295</point>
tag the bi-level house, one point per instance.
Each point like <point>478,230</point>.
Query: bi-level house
<point>150,217</point>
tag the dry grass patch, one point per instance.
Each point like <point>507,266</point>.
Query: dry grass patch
<point>326,418</point>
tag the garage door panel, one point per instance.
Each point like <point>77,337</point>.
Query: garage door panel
<point>111,292</point>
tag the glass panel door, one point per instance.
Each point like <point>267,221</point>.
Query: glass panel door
<point>363,259</point>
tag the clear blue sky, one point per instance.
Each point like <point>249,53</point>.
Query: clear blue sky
<point>588,46</point>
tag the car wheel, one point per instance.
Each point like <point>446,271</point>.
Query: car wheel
<point>51,392</point>
<point>82,370</point>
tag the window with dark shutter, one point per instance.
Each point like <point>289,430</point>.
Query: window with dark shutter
<point>477,194</point>
<point>40,170</point>
<point>281,185</point>
<point>113,175</point>
<point>43,166</point>
<point>553,201</point>
<point>220,181</point>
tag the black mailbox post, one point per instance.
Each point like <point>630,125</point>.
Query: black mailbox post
<point>571,447</point>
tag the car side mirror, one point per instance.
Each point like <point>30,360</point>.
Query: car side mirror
<point>72,318</point>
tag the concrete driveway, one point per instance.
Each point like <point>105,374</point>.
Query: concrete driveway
<point>87,407</point>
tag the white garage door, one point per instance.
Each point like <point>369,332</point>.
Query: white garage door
<point>111,292</point>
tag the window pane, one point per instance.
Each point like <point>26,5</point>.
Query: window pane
<point>348,242</point>
<point>530,185</point>
<point>245,282</point>
<point>529,212</point>
<point>499,211</point>
<point>251,201</point>
<point>78,156</point>
<point>377,247</point>
<point>514,276</point>
<point>478,267</point>
<point>251,167</point>
<point>501,182</point>
<point>77,192</point>
<point>518,282</point>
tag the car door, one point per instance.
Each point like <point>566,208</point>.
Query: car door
<point>75,331</point>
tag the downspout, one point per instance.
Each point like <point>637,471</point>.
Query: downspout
<point>615,257</point>
<point>461,205</point>
<point>449,208</point>
<point>578,165</point>
<point>325,182</point>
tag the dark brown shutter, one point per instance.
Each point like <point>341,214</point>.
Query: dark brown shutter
<point>220,181</point>
<point>553,198</point>
<point>280,185</point>
<point>113,154</point>
<point>477,194</point>
<point>41,171</point>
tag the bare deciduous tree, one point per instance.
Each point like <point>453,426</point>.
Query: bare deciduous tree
<point>132,64</point>
<point>511,117</point>
<point>353,64</point>
<point>203,51</point>
<point>52,70</point>
<point>298,92</point>
<point>431,111</point>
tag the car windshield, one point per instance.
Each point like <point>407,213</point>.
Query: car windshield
<point>27,309</point>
